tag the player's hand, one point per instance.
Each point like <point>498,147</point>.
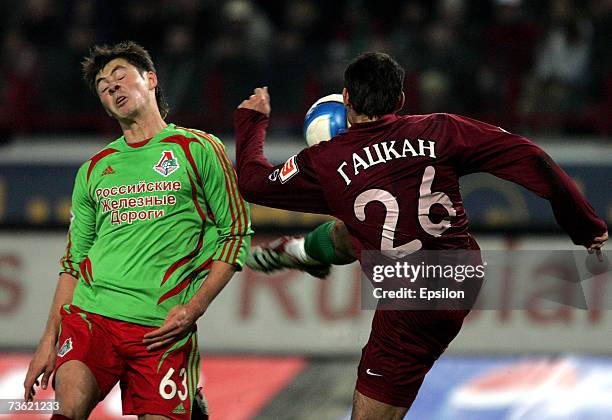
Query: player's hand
<point>42,363</point>
<point>598,242</point>
<point>259,101</point>
<point>178,322</point>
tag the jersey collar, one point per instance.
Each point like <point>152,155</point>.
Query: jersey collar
<point>160,135</point>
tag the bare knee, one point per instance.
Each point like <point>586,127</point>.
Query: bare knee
<point>366,408</point>
<point>343,245</point>
<point>76,390</point>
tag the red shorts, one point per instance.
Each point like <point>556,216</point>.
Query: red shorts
<point>402,348</point>
<point>159,382</point>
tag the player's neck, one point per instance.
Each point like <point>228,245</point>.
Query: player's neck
<point>355,118</point>
<point>142,128</point>
<point>363,119</point>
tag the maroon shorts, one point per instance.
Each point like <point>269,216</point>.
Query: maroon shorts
<point>402,348</point>
<point>159,382</point>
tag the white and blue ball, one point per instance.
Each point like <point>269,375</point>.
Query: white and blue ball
<point>325,119</point>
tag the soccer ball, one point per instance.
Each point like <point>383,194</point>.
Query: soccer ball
<point>325,119</point>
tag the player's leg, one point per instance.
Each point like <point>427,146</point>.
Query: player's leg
<point>366,408</point>
<point>329,243</point>
<point>199,406</point>
<point>161,382</point>
<point>401,350</point>
<point>76,390</point>
<point>87,366</point>
<point>344,253</point>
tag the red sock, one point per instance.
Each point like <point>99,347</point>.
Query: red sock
<point>59,417</point>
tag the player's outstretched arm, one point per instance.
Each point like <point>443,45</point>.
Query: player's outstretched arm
<point>43,361</point>
<point>291,186</point>
<point>481,147</point>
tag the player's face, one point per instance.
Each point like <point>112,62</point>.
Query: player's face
<point>124,91</point>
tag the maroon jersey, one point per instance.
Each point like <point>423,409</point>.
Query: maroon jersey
<point>394,182</point>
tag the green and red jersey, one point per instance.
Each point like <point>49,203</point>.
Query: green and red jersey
<point>148,220</point>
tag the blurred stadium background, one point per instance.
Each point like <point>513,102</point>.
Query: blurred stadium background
<point>286,346</point>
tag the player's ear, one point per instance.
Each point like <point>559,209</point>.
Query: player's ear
<point>151,79</point>
<point>345,97</point>
<point>400,102</point>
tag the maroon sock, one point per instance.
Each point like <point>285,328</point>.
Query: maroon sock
<point>59,417</point>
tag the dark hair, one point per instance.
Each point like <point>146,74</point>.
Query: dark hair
<point>374,82</point>
<point>135,54</point>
